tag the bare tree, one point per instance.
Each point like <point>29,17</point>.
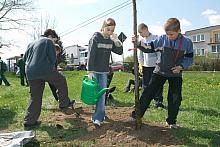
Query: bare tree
<point>12,13</point>
<point>41,23</point>
<point>14,16</point>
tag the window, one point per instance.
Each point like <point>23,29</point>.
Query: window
<point>199,52</point>
<point>202,52</point>
<point>216,37</point>
<point>194,38</point>
<point>202,37</point>
<point>214,48</point>
<point>198,38</point>
<point>218,48</point>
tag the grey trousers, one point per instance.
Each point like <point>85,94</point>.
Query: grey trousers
<point>36,93</point>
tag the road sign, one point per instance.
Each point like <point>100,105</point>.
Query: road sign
<point>122,37</point>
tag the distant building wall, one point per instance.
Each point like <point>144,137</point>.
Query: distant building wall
<point>206,41</point>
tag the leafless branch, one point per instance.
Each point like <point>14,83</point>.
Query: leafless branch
<point>9,10</point>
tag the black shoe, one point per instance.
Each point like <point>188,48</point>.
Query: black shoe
<point>71,105</point>
<point>36,124</point>
<point>70,108</point>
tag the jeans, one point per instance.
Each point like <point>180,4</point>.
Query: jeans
<point>100,105</point>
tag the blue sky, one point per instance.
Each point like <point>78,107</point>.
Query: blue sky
<point>193,14</point>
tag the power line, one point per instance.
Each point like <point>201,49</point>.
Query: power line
<point>99,16</point>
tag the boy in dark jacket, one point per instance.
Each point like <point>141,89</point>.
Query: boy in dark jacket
<point>21,65</point>
<point>3,69</point>
<point>176,55</point>
<point>40,67</point>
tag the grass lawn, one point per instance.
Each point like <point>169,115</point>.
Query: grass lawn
<point>199,116</point>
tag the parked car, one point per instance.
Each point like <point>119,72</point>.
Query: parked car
<point>120,67</point>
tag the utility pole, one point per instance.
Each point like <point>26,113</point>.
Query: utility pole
<point>137,101</point>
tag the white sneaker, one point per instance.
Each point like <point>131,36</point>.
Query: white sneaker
<point>96,122</point>
<point>172,126</point>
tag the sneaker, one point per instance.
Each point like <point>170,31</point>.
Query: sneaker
<point>96,122</point>
<point>172,126</point>
<point>160,106</point>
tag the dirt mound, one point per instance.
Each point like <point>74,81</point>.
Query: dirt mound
<point>115,131</point>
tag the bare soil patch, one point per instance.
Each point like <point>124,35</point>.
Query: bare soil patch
<point>115,131</point>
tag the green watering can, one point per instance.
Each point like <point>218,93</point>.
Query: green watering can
<point>91,91</point>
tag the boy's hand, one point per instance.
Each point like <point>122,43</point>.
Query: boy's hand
<point>140,68</point>
<point>90,75</point>
<point>114,38</point>
<point>134,38</point>
<point>176,69</point>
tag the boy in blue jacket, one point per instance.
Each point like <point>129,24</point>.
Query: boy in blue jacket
<point>176,55</point>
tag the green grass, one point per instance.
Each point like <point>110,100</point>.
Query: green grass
<point>199,115</point>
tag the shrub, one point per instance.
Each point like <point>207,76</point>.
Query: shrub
<point>205,64</point>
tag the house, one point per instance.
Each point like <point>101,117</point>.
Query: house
<point>12,63</point>
<point>76,55</point>
<point>206,41</point>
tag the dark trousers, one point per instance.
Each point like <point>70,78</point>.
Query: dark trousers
<point>3,78</point>
<point>36,91</point>
<point>22,78</point>
<point>147,74</point>
<point>174,96</point>
<point>132,82</point>
<point>54,91</point>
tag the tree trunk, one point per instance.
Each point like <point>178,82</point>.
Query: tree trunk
<point>137,102</point>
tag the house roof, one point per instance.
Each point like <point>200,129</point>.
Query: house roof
<point>13,58</point>
<point>204,29</point>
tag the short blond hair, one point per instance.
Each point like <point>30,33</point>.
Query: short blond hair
<point>142,26</point>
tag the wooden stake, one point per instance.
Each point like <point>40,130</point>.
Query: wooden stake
<point>137,101</point>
